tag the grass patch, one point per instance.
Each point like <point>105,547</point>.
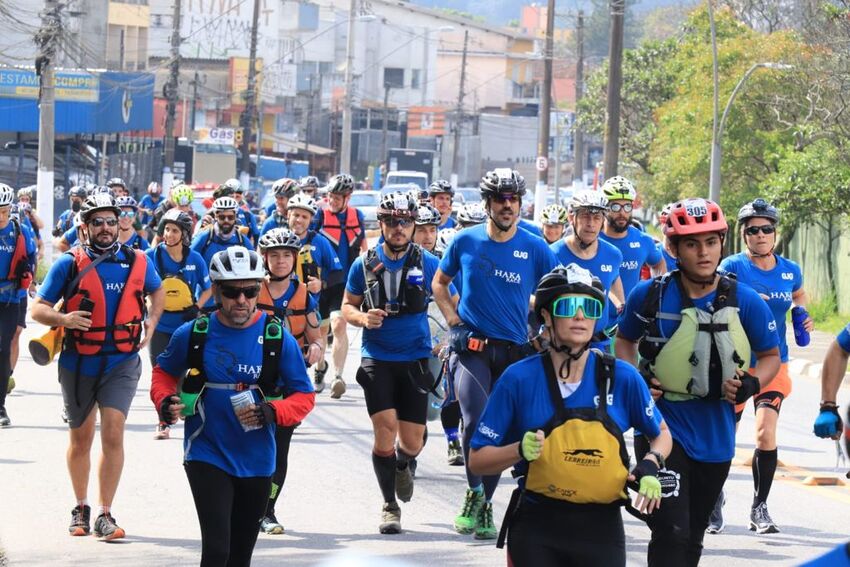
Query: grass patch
<point>826,316</point>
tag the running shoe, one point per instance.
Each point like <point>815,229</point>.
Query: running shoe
<point>106,529</point>
<point>715,521</point>
<point>404,483</point>
<point>484,526</point>
<point>80,518</point>
<point>11,385</point>
<point>466,520</point>
<point>455,455</point>
<point>319,378</point>
<point>4,418</point>
<point>337,388</point>
<point>271,526</point>
<point>760,520</point>
<point>163,431</point>
<point>390,519</point>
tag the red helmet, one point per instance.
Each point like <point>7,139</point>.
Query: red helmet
<point>695,216</point>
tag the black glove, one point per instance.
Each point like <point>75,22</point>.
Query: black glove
<point>266,414</point>
<point>165,410</point>
<point>57,232</point>
<point>644,468</point>
<point>750,386</point>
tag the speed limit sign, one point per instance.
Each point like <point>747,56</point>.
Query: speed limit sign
<point>542,163</point>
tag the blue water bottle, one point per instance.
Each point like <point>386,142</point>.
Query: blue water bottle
<point>801,335</point>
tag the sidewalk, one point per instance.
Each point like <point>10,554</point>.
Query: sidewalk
<point>808,361</point>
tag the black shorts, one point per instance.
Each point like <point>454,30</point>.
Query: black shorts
<point>402,386</point>
<point>771,399</point>
<point>22,311</point>
<point>330,300</point>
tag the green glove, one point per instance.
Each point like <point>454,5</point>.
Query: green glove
<point>530,446</point>
<point>650,487</point>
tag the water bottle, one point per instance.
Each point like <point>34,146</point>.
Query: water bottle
<point>801,335</point>
<point>415,276</point>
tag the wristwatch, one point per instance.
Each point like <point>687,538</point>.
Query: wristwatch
<point>661,461</point>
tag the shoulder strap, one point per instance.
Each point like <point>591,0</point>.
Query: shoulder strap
<point>81,274</point>
<point>552,386</point>
<point>272,347</point>
<point>197,341</point>
<point>297,292</point>
<point>604,378</point>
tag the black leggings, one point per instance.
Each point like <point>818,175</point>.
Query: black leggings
<point>450,416</point>
<point>229,511</point>
<point>689,490</point>
<point>159,341</point>
<point>8,326</point>
<point>282,439</point>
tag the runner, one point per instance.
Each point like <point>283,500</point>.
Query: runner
<point>31,243</point>
<point>667,316</point>
<point>488,329</point>
<point>584,247</point>
<point>670,262</point>
<point>127,234</point>
<point>828,424</point>
<point>779,282</point>
<point>540,417</point>
<point>471,214</point>
<point>102,285</point>
<point>284,296</point>
<point>25,198</point>
<point>283,190</point>
<point>387,294</point>
<point>186,282</point>
<point>441,194</point>
<point>554,219</point>
<point>223,232</point>
<point>118,187</point>
<point>344,227</point>
<point>76,195</point>
<point>180,197</point>
<point>245,216</point>
<point>148,204</point>
<point>233,401</point>
<point>309,185</point>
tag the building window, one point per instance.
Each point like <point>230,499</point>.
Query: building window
<point>393,78</point>
<point>415,78</point>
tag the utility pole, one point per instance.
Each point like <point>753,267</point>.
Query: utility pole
<point>545,108</point>
<point>121,51</point>
<point>345,143</point>
<point>46,38</point>
<point>171,88</point>
<point>384,121</point>
<point>615,80</point>
<point>247,117</point>
<point>194,100</point>
<point>578,135</point>
<point>459,111</point>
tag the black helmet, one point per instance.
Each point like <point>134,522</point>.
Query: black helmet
<point>77,191</point>
<point>502,180</point>
<point>178,217</point>
<point>758,209</point>
<point>116,181</point>
<point>398,204</point>
<point>342,184</point>
<point>570,279</point>
<point>98,202</point>
<point>309,181</point>
<point>441,186</point>
<point>284,187</point>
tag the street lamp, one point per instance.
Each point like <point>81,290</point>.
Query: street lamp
<point>716,146</point>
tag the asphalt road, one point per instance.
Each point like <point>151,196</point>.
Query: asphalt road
<point>331,504</point>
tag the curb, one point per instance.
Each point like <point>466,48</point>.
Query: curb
<point>810,370</point>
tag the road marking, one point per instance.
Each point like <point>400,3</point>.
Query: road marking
<point>795,475</point>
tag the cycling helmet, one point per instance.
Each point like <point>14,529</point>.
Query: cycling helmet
<point>182,195</point>
<point>444,238</point>
<point>398,204</point>
<point>570,279</point>
<point>224,204</point>
<point>92,204</point>
<point>427,214</point>
<point>77,191</point>
<point>302,201</point>
<point>588,199</point>
<point>127,201</point>
<point>502,180</point>
<point>154,187</point>
<point>309,181</point>
<point>284,187</point>
<point>554,214</point>
<point>236,263</point>
<point>471,213</point>
<point>664,213</point>
<point>441,186</point>
<point>279,238</point>
<point>95,189</point>
<point>232,185</point>
<point>695,216</point>
<point>25,192</point>
<point>78,220</point>
<point>342,184</point>
<point>758,209</point>
<point>618,187</point>
<point>116,181</point>
<point>178,217</point>
<point>421,195</point>
<point>7,195</point>
<point>14,212</point>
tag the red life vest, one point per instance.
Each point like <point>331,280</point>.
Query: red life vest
<point>126,327</point>
<point>333,231</point>
<point>19,268</point>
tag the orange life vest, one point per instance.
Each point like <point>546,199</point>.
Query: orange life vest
<point>333,231</point>
<point>294,315</point>
<point>19,268</point>
<point>126,327</point>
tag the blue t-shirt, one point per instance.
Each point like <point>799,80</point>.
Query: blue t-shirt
<point>521,402</point>
<point>704,428</point>
<point>233,356</point>
<point>270,209</point>
<point>194,273</point>
<point>247,218</point>
<point>671,262</point>
<point>148,203</point>
<point>637,248</point>
<point>530,227</point>
<point>342,249</point>
<point>70,236</point>
<point>273,221</point>
<point>217,244</point>
<point>138,242</point>
<point>450,223</point>
<point>9,292</point>
<point>605,266</point>
<point>113,273</point>
<point>324,255</point>
<point>502,276</point>
<point>401,337</point>
<point>778,284</point>
<point>282,302</point>
<point>837,557</point>
<point>843,338</point>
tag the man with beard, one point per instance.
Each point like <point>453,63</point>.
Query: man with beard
<point>441,194</point>
<point>499,266</point>
<point>102,285</point>
<point>77,195</point>
<point>283,190</point>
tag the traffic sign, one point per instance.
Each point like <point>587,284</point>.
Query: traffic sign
<point>542,163</point>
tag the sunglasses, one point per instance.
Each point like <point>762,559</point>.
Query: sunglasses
<point>226,218</point>
<point>127,214</point>
<point>506,198</point>
<point>764,229</point>
<point>100,221</point>
<point>567,307</point>
<point>617,207</point>
<point>393,222</point>
<point>233,292</point>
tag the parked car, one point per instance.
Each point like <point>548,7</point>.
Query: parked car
<point>367,202</point>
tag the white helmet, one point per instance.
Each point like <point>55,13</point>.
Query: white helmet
<point>25,192</point>
<point>588,199</point>
<point>225,204</point>
<point>7,195</point>
<point>302,201</point>
<point>444,238</point>
<point>236,263</point>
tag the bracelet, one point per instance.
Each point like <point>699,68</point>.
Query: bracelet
<point>658,457</point>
